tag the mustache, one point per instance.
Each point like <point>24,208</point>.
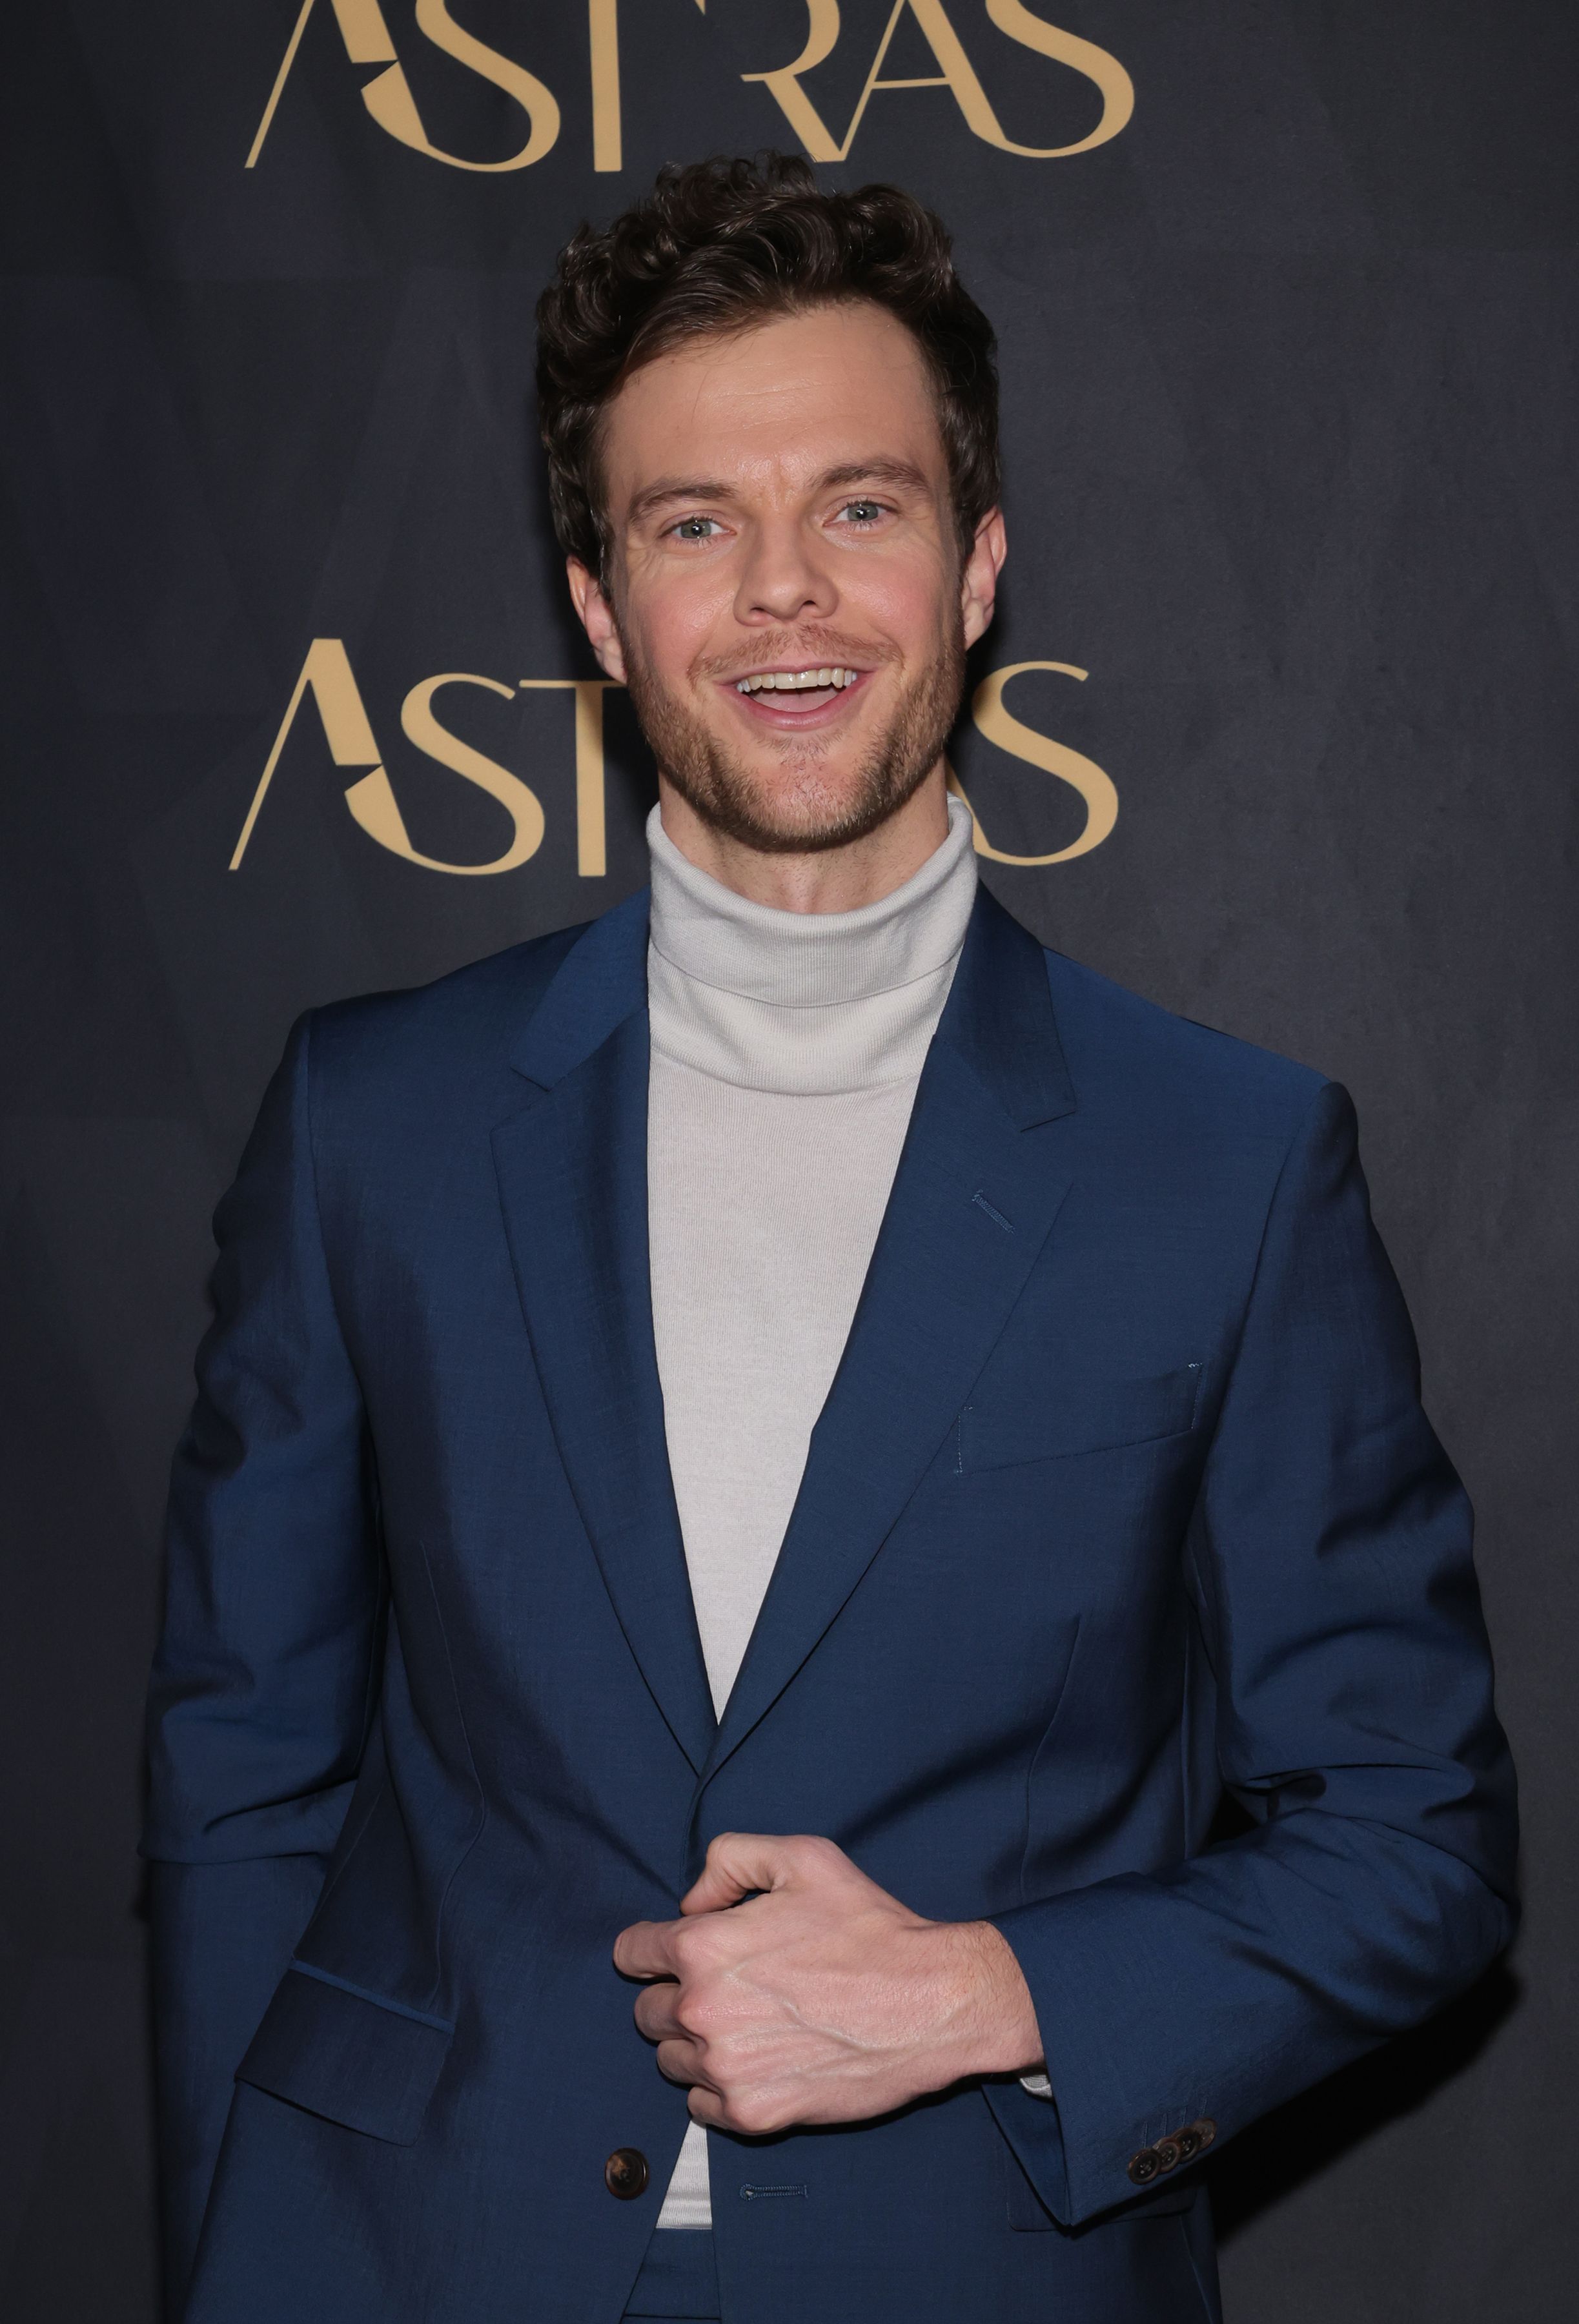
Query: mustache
<point>773,648</point>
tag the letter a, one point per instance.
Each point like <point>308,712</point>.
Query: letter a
<point>328,672</point>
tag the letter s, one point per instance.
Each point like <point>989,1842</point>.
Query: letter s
<point>1000,726</point>
<point>389,99</point>
<point>1118,90</point>
<point>373,802</point>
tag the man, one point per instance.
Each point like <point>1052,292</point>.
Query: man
<point>763,1467</point>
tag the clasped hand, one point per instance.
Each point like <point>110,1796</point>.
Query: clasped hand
<point>820,1997</point>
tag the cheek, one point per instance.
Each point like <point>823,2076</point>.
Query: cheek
<point>909,598</point>
<point>673,617</point>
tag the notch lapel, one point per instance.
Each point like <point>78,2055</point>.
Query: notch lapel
<point>572,1172</point>
<point>980,1181</point>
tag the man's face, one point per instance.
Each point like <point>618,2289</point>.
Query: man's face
<point>785,596</point>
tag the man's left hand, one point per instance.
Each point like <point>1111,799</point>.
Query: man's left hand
<point>820,1997</point>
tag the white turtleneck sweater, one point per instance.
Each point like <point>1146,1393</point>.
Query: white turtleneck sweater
<point>786,1050</point>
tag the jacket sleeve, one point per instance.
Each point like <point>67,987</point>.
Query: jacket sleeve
<point>263,1683</point>
<point>1329,1560</point>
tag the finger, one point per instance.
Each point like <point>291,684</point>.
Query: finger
<point>646,1949</point>
<point>739,1863</point>
<point>655,2012</point>
<point>681,2061</point>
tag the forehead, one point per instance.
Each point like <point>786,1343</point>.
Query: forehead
<point>800,393</point>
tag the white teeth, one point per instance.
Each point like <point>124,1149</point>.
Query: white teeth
<point>794,681</point>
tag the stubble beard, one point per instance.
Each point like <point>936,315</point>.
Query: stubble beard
<point>798,809</point>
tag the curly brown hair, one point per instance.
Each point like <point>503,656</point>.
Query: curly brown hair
<point>718,246</point>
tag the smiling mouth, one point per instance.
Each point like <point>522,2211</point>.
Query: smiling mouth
<point>794,695</point>
<point>797,681</point>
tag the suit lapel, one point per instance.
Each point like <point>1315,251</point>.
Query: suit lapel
<point>979,1185</point>
<point>572,1172</point>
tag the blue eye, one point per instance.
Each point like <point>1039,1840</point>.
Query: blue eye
<point>863,512</point>
<point>692,528</point>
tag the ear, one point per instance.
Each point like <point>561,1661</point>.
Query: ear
<point>596,617</point>
<point>978,584</point>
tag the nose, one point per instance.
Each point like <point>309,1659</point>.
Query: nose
<point>783,579</point>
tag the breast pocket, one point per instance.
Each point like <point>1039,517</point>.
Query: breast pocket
<point>1064,1417</point>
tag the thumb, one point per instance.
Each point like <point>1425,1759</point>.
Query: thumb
<point>738,1864</point>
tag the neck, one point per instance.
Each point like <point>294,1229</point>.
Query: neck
<point>804,1003</point>
<point>823,880</point>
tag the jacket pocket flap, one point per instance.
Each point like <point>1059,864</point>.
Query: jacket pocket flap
<point>1070,1417</point>
<point>349,2056</point>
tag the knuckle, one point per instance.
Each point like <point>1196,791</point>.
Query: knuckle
<point>811,1853</point>
<point>694,2014</point>
<point>688,1961</point>
<point>698,1947</point>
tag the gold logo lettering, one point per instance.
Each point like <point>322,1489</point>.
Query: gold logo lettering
<point>373,802</point>
<point>326,672</point>
<point>992,718</point>
<point>388,96</point>
<point>955,72</point>
<point>590,846</point>
<point>602,32</point>
<point>327,676</point>
<point>366,37</point>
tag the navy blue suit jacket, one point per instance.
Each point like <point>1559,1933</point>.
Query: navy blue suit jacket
<point>1122,1495</point>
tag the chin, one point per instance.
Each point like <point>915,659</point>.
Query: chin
<point>809,793</point>
<point>791,812</point>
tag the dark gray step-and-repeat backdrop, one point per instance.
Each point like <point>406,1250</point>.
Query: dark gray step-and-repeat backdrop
<point>1277,726</point>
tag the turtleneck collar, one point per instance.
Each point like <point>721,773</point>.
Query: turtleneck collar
<point>804,1002</point>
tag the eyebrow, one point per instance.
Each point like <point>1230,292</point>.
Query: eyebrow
<point>902,474</point>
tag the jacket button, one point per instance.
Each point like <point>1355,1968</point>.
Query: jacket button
<point>625,2173</point>
<point>1188,2142</point>
<point>1145,2166</point>
<point>1206,2130</point>
<point>1167,2152</point>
